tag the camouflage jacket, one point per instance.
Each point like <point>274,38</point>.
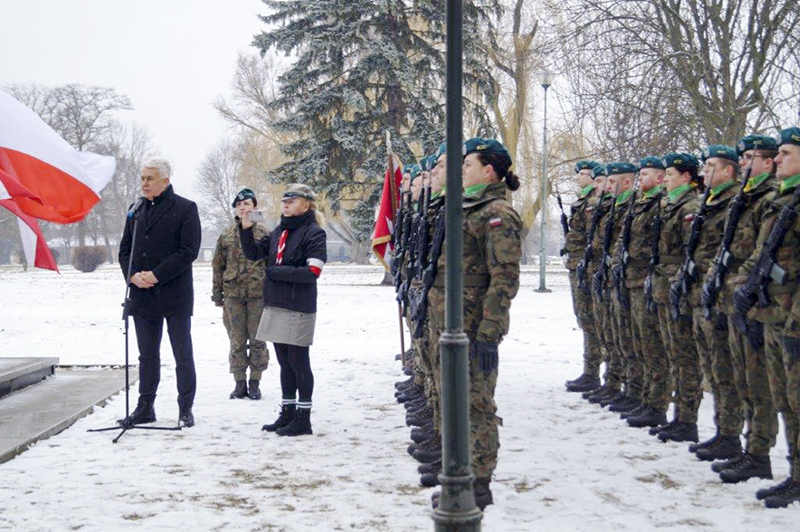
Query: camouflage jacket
<point>744,238</point>
<point>599,236</point>
<point>597,239</point>
<point>492,252</point>
<point>639,250</point>
<point>787,257</point>
<point>710,237</point>
<point>676,221</point>
<point>233,274</point>
<point>575,241</point>
<point>615,252</point>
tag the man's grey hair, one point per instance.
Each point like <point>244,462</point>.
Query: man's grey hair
<point>160,164</point>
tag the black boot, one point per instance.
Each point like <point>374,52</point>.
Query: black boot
<point>429,451</point>
<point>595,398</point>
<point>186,417</point>
<point>590,393</point>
<point>629,403</point>
<point>680,432</point>
<point>725,447</point>
<point>300,426</point>
<point>612,399</point>
<point>719,467</point>
<point>414,446</point>
<point>483,494</point>
<point>254,393</point>
<point>401,385</point>
<point>650,418</point>
<point>420,434</point>
<point>286,416</point>
<point>637,410</point>
<point>751,466</point>
<point>693,448</point>
<point>143,413</point>
<point>584,383</point>
<point>773,490</point>
<point>430,467</point>
<point>655,431</point>
<point>784,497</point>
<point>421,418</point>
<point>240,392</point>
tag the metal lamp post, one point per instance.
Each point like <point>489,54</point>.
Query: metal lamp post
<point>545,78</point>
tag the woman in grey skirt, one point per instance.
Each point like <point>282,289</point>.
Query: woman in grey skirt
<point>296,253</point>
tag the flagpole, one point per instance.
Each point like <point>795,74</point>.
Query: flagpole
<point>393,189</point>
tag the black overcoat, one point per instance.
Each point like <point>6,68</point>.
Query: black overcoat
<point>167,242</point>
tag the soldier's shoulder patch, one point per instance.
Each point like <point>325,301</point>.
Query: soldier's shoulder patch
<point>495,222</point>
<point>689,217</point>
<point>590,208</point>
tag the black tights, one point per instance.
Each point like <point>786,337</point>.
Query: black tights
<point>295,372</point>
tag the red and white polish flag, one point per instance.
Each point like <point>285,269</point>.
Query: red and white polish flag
<point>33,244</point>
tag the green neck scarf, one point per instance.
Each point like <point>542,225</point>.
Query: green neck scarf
<point>623,196</point>
<point>585,191</point>
<point>475,190</point>
<point>753,182</point>
<point>653,191</point>
<point>676,194</point>
<point>606,196</point>
<point>719,189</point>
<point>789,183</point>
<point>437,194</point>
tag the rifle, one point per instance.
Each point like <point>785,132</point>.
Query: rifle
<point>583,266</point>
<point>722,260</point>
<point>687,274</point>
<point>564,222</point>
<point>410,223</point>
<point>423,231</point>
<point>398,241</point>
<point>419,305</point>
<point>655,259</point>
<point>619,273</point>
<point>601,275</point>
<point>755,287</point>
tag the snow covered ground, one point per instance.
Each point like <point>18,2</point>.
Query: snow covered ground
<point>564,464</point>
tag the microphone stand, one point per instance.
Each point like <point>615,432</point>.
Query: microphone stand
<point>126,308</point>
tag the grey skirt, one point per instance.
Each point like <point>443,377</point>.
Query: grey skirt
<point>281,326</point>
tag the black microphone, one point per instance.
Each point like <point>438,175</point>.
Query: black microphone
<point>135,207</point>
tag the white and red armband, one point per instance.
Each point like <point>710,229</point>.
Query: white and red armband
<point>315,265</point>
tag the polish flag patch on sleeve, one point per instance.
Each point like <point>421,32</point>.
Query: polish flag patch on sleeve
<point>495,222</point>
<point>689,217</point>
<point>315,265</point>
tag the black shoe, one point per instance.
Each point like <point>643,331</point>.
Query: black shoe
<point>286,416</point>
<point>602,396</point>
<point>415,393</point>
<point>186,418</point>
<point>483,494</point>
<point>144,413</point>
<point>421,418</point>
<point>625,405</point>
<point>680,432</point>
<point>637,410</point>
<point>613,399</point>
<point>590,393</point>
<point>254,393</point>
<point>578,380</point>
<point>650,418</point>
<point>693,448</point>
<point>429,480</point>
<point>240,392</point>
<point>655,431</point>
<point>300,426</point>
<point>751,466</point>
<point>430,467</point>
<point>719,467</point>
<point>784,497</point>
<point>413,402</point>
<point>430,451</point>
<point>414,446</point>
<point>584,383</point>
<point>726,447</point>
<point>420,434</point>
<point>773,490</point>
<point>399,385</point>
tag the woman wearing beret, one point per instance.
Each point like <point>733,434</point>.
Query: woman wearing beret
<point>295,252</point>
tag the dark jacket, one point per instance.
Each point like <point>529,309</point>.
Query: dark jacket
<point>167,242</point>
<point>292,285</point>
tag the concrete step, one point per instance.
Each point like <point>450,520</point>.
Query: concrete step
<point>41,411</point>
<point>17,373</point>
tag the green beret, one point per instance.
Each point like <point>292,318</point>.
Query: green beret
<point>620,168</point>
<point>598,171</point>
<point>651,162</point>
<point>426,164</point>
<point>673,159</point>
<point>442,150</point>
<point>244,194</point>
<point>407,168</point>
<point>414,170</point>
<point>754,142</point>
<point>482,145</point>
<point>789,135</point>
<point>584,165</point>
<point>721,152</point>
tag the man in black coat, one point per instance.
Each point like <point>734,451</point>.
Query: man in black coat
<point>167,242</point>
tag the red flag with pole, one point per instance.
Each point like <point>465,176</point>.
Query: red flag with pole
<point>384,224</point>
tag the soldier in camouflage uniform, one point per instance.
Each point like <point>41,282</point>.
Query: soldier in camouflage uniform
<point>749,359</point>
<point>781,316</point>
<point>677,213</point>
<point>646,330</point>
<point>574,248</point>
<point>711,336</point>
<point>237,287</point>
<point>492,248</point>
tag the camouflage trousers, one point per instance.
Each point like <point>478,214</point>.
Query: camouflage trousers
<point>684,364</point>
<point>623,339</point>
<point>423,367</point>
<point>784,381</point>
<point>752,382</point>
<point>241,317</point>
<point>602,323</point>
<point>711,337</point>
<point>648,343</point>
<point>483,419</point>
<point>582,306</point>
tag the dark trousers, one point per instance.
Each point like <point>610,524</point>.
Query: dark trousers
<point>296,375</point>
<point>148,336</point>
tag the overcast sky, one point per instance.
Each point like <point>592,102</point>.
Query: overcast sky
<point>171,57</point>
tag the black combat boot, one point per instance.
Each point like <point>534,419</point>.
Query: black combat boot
<point>625,405</point>
<point>413,402</point>
<point>680,432</point>
<point>420,418</point>
<point>637,410</point>
<point>773,490</point>
<point>254,393</point>
<point>655,431</point>
<point>413,394</point>
<point>400,385</point>
<point>429,451</point>
<point>751,466</point>
<point>590,393</point>
<point>584,383</point>
<point>300,426</point>
<point>784,497</point>
<point>693,448</point>
<point>240,392</point>
<point>420,434</point>
<point>719,467</point>
<point>483,494</point>
<point>286,416</point>
<point>186,417</point>
<point>613,399</point>
<point>650,418</point>
<point>143,413</point>
<point>602,396</point>
<point>430,479</point>
<point>429,468</point>
<point>414,446</point>
<point>726,447</point>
